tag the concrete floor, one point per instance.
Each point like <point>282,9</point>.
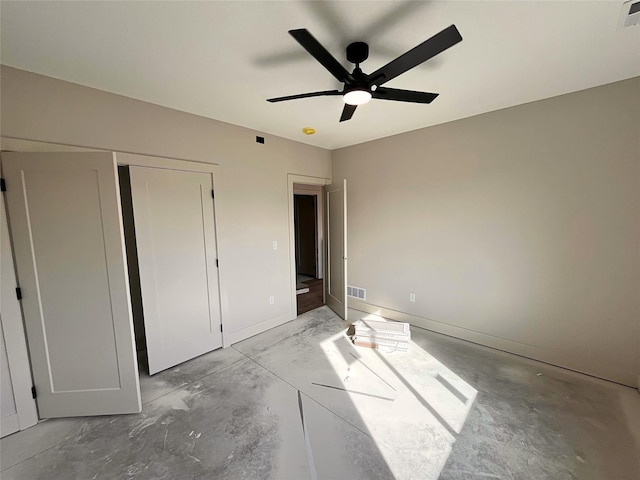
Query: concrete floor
<point>300,401</point>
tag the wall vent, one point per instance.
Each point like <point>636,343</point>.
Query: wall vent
<point>357,292</point>
<point>630,13</point>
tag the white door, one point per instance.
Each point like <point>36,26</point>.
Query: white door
<point>17,406</point>
<point>66,225</point>
<point>176,242</point>
<point>9,420</point>
<point>336,275</point>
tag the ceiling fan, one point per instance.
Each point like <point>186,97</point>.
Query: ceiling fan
<point>360,87</point>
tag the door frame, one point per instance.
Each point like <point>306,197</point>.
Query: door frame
<point>136,160</point>
<point>304,180</point>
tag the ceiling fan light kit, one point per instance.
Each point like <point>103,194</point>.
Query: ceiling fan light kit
<point>356,97</point>
<point>360,87</point>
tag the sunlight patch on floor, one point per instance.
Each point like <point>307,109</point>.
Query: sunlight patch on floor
<point>412,405</point>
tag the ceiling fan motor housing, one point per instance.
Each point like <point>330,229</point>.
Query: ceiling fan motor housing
<point>357,52</point>
<point>359,82</point>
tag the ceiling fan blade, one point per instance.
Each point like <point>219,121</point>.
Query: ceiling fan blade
<point>384,93</point>
<point>305,95</point>
<point>347,112</point>
<point>311,45</point>
<point>414,57</point>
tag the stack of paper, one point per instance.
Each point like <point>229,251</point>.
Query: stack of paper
<point>382,334</point>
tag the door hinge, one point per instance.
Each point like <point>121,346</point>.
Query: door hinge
<point>3,185</point>
<point>213,195</point>
<point>217,264</point>
<point>220,328</point>
<point>19,293</point>
<point>34,394</point>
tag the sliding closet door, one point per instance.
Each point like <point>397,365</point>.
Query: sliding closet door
<point>176,242</point>
<point>66,225</point>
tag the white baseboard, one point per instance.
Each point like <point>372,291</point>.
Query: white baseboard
<point>230,338</point>
<point>558,359</point>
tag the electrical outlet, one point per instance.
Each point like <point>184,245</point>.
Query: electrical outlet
<point>275,244</point>
<point>412,297</point>
<point>272,299</point>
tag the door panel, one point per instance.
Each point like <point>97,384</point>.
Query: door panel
<point>8,411</point>
<point>175,234</point>
<point>336,275</point>
<point>64,211</point>
<point>16,403</point>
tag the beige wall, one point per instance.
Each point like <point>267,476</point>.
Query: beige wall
<point>518,229</point>
<point>251,189</point>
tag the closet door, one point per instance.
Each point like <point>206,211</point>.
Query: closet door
<point>176,243</point>
<point>66,225</point>
<point>17,406</point>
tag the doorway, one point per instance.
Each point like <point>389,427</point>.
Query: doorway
<point>331,244</point>
<point>306,235</point>
<point>308,244</point>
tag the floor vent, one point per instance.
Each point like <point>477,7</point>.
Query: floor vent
<point>630,13</point>
<point>357,292</point>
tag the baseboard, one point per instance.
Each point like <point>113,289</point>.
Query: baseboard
<point>230,338</point>
<point>626,378</point>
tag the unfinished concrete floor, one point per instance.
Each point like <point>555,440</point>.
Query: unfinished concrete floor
<point>300,401</point>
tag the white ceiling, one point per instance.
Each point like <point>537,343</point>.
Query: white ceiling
<point>223,59</point>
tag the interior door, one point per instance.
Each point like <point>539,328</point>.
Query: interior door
<point>66,225</point>
<point>336,274</point>
<point>9,421</point>
<point>17,406</point>
<point>176,240</point>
